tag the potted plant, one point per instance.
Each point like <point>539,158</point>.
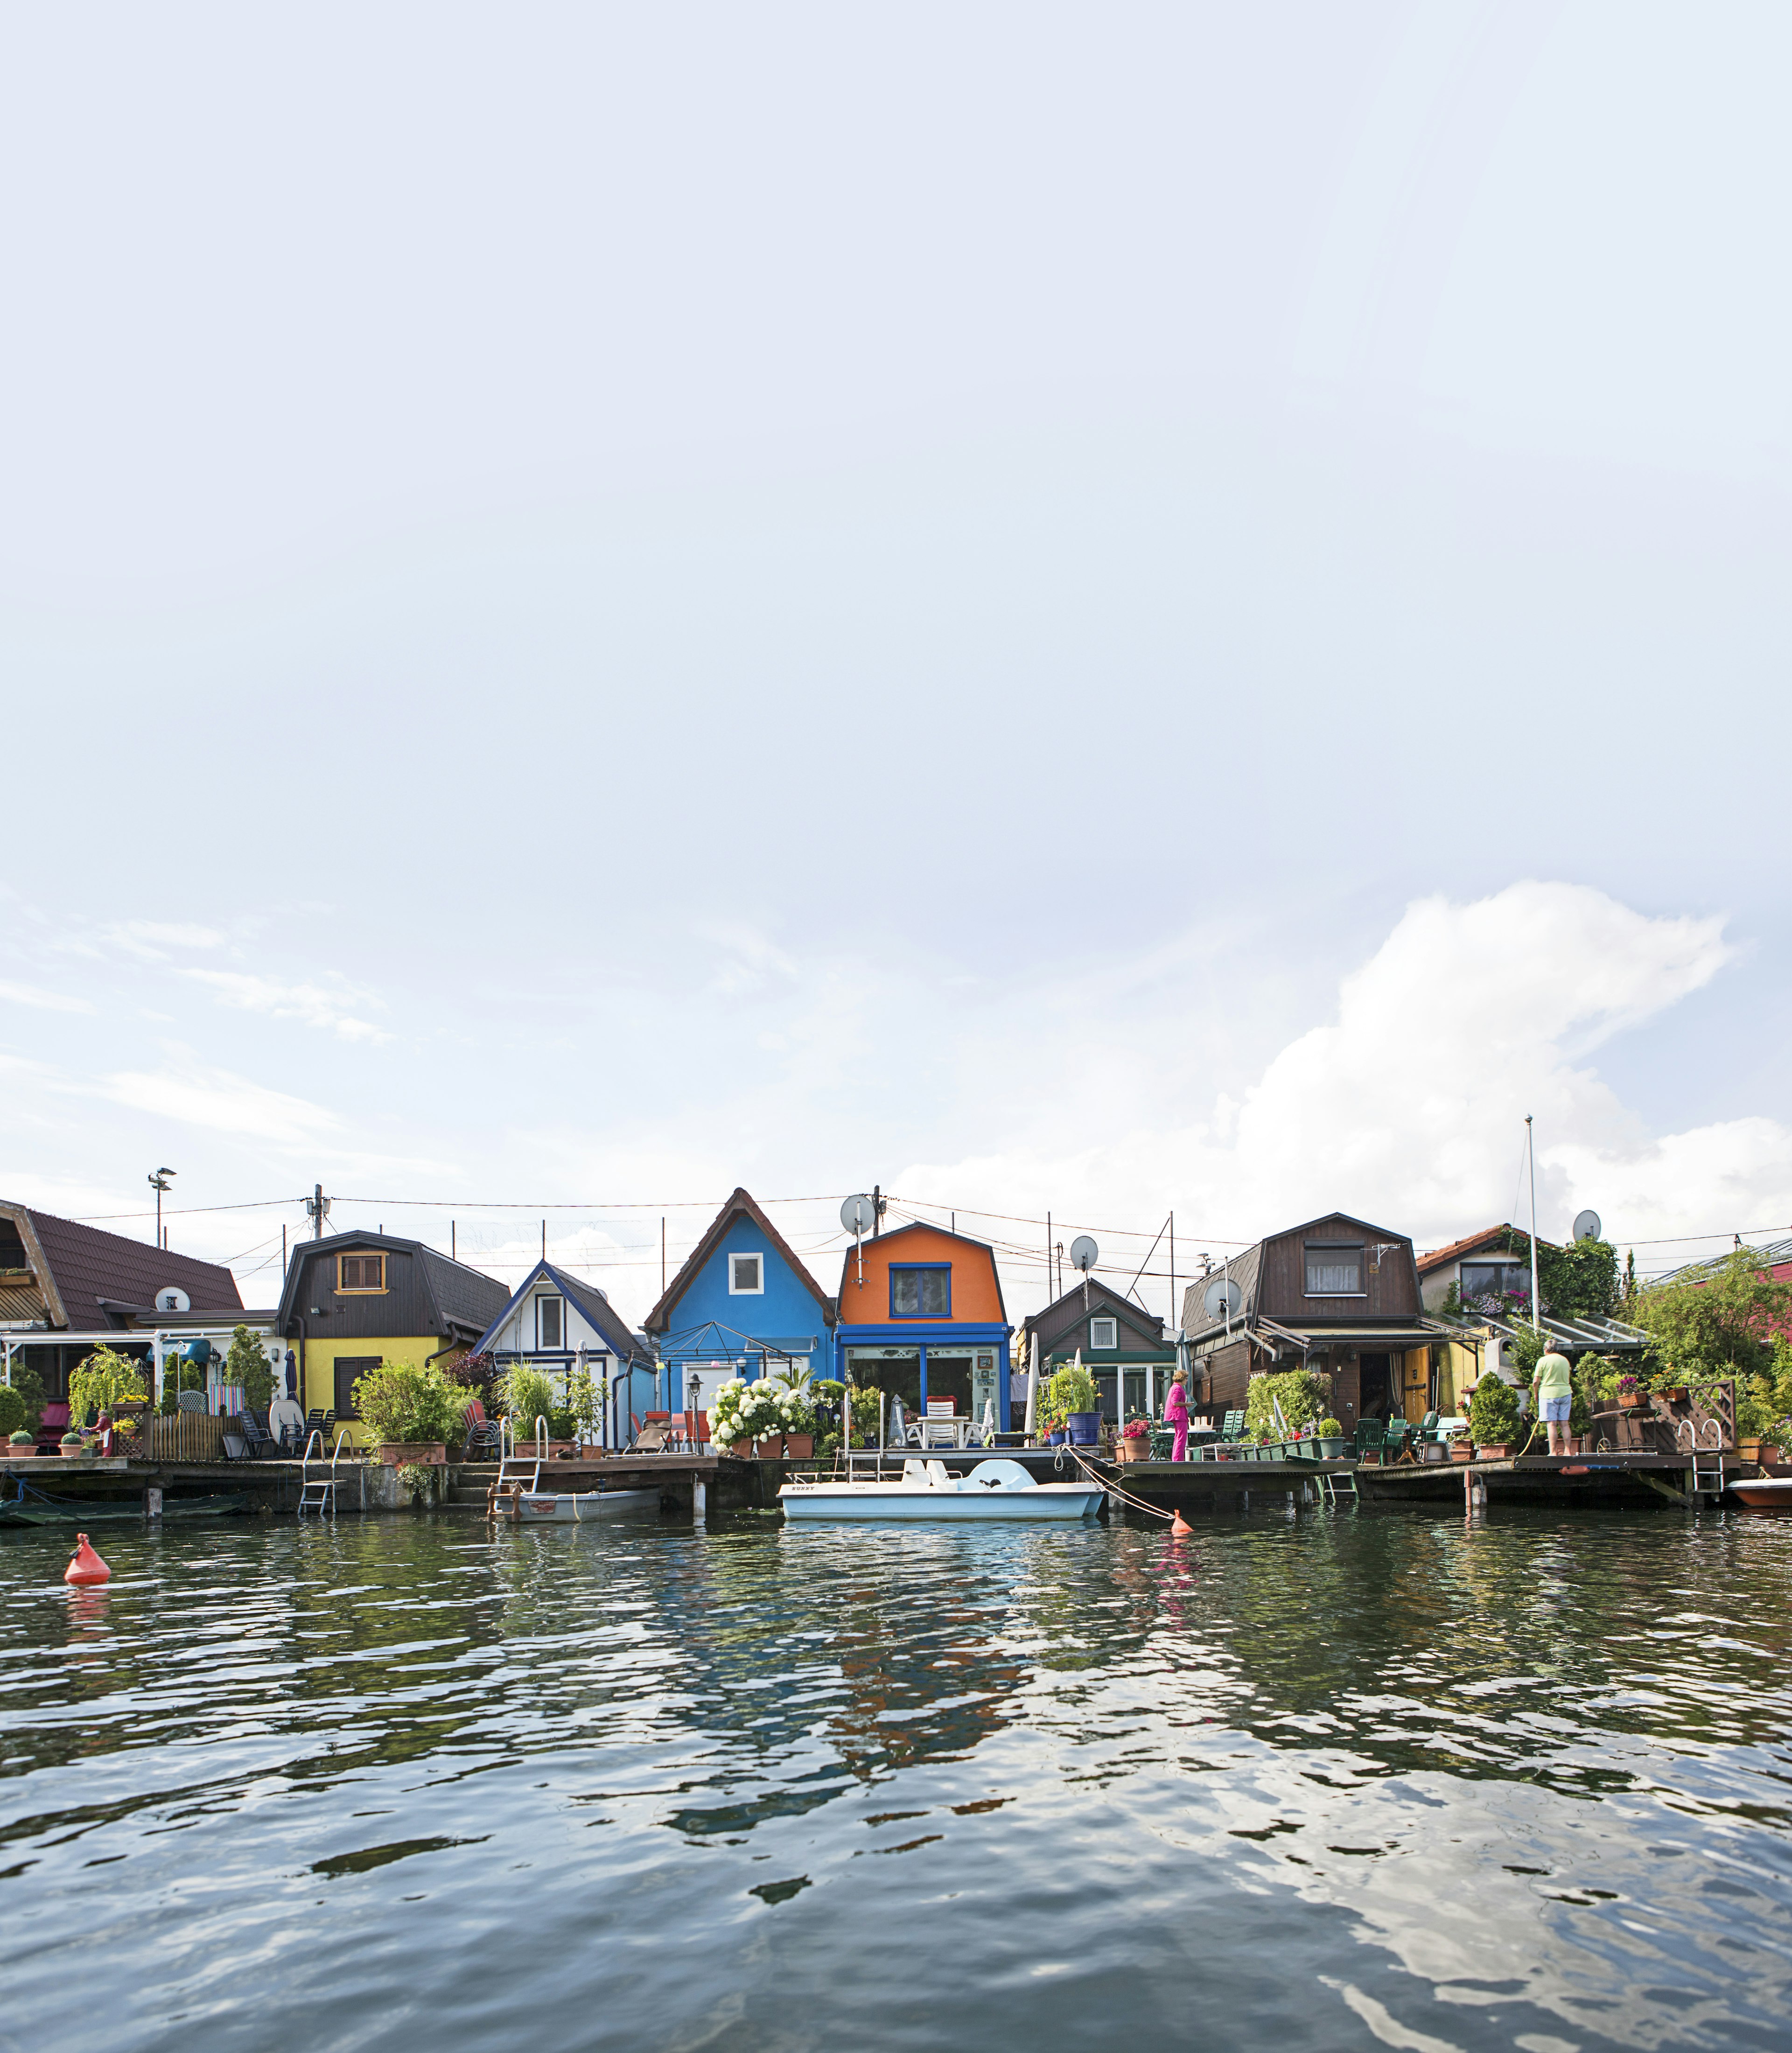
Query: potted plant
<point>1493,1418</point>
<point>20,1445</point>
<point>410,1410</point>
<point>1134,1442</point>
<point>72,1444</point>
<point>1332,1442</point>
<point>727,1427</point>
<point>1462,1448</point>
<point>1073,1398</point>
<point>1630,1392</point>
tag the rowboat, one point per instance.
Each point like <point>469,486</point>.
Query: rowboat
<point>1765,1493</point>
<point>579,1507</point>
<point>994,1491</point>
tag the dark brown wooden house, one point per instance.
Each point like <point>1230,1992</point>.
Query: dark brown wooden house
<point>1122,1344</point>
<point>1337,1295</point>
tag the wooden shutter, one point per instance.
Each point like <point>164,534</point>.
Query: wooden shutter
<point>349,1369</point>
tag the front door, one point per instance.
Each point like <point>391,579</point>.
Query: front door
<point>1377,1398</point>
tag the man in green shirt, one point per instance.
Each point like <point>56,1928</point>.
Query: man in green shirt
<point>1555,1396</point>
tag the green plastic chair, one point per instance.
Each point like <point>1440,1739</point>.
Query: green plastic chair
<point>1371,1438</point>
<point>1393,1439</point>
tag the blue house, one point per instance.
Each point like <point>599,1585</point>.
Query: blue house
<point>742,1304</point>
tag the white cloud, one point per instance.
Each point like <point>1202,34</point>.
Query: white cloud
<point>44,1001</point>
<point>317,1005</point>
<point>219,1100</point>
<point>151,938</point>
<point>1407,1107</point>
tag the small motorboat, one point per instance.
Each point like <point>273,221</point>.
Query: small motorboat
<point>579,1507</point>
<point>1764,1493</point>
<point>997,1491</point>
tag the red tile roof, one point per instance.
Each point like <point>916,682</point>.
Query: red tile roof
<point>1473,1245</point>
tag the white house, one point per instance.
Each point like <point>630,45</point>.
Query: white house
<point>557,1323</point>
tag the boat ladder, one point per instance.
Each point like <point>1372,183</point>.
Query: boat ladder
<point>511,1465</point>
<point>318,1493</point>
<point>1705,1443</point>
<point>1333,1484</point>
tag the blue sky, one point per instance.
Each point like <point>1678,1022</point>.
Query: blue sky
<point>1058,609</point>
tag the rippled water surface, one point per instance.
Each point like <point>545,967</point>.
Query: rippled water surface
<point>1353,1780</point>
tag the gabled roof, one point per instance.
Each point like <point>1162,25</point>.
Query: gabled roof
<point>1440,1258</point>
<point>1055,1320</point>
<point>591,1301</point>
<point>463,1300</point>
<point>78,1267</point>
<point>1243,1269</point>
<point>945,1232</point>
<point>740,1206</point>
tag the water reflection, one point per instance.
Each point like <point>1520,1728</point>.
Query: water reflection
<point>1330,1780</point>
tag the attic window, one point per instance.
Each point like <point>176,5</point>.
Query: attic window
<point>360,1272</point>
<point>1104,1333</point>
<point>12,1245</point>
<point>746,1276</point>
<point>1333,1269</point>
<point>547,1311</point>
<point>920,1293</point>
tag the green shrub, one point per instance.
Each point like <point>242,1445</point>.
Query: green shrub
<point>1329,1429</point>
<point>246,1368</point>
<point>101,1380</point>
<point>864,1403</point>
<point>30,1385</point>
<point>1493,1412</point>
<point>402,1400</point>
<point>526,1395</point>
<point>21,1439</point>
<point>1301,1393</point>
<point>12,1412</point>
<point>1071,1389</point>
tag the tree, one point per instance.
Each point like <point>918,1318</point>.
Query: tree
<point>101,1380</point>
<point>30,1385</point>
<point>246,1367</point>
<point>1723,1321</point>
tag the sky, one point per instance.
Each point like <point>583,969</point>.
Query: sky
<point>1099,612</point>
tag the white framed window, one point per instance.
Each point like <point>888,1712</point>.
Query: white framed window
<point>1104,1333</point>
<point>550,1322</point>
<point>746,1276</point>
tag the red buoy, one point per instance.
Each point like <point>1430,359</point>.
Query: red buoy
<point>86,1567</point>
<point>1180,1528</point>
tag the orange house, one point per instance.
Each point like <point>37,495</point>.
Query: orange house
<point>922,1317</point>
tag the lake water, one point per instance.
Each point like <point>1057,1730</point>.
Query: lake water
<point>1353,1780</point>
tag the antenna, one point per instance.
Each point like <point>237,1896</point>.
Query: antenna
<point>1083,1255</point>
<point>1586,1226</point>
<point>860,1216</point>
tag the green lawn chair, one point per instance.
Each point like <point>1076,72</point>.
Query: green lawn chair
<point>1371,1438</point>
<point>1393,1439</point>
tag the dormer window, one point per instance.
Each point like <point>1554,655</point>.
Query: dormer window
<point>921,1292</point>
<point>360,1275</point>
<point>746,1276</point>
<point>1104,1333</point>
<point>12,1247</point>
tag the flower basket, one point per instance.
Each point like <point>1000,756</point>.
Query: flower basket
<point>413,1454</point>
<point>1630,1399</point>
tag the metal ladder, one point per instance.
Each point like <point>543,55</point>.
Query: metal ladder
<point>508,1460</point>
<point>319,1493</point>
<point>1332,1485</point>
<point>1705,1478</point>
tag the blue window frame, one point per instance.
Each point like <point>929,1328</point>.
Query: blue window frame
<point>920,1290</point>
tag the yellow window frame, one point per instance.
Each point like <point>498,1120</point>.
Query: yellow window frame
<point>362,1290</point>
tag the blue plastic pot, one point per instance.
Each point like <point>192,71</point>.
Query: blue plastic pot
<point>1086,1428</point>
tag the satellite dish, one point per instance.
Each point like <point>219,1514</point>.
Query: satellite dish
<point>1586,1226</point>
<point>169,1299</point>
<point>1083,1253</point>
<point>858,1215</point>
<point>1223,1299</point>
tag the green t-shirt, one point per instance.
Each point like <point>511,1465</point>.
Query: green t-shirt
<point>1551,1379</point>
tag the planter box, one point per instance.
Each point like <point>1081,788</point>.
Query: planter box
<point>800,1447</point>
<point>741,1450</point>
<point>1497,1450</point>
<point>1460,1451</point>
<point>1629,1402</point>
<point>421,1454</point>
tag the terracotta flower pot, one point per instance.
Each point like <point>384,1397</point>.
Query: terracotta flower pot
<point>1769,1456</point>
<point>1138,1449</point>
<point>800,1447</point>
<point>1630,1399</point>
<point>1497,1450</point>
<point>742,1450</point>
<point>1460,1451</point>
<point>771,1448</point>
<point>420,1453</point>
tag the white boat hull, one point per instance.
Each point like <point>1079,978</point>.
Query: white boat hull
<point>996,1493</point>
<point>581,1507</point>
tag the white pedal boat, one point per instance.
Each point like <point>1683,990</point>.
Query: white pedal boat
<point>581,1507</point>
<point>994,1491</point>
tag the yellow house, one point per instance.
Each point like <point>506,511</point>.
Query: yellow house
<point>357,1299</point>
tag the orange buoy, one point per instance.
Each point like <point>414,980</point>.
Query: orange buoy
<point>85,1566</point>
<point>1180,1528</point>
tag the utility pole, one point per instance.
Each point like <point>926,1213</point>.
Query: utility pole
<point>158,1183</point>
<point>663,1255</point>
<point>318,1206</point>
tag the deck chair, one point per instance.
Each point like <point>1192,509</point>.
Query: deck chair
<point>1371,1438</point>
<point>1394,1441</point>
<point>940,1427</point>
<point>484,1437</point>
<point>251,1428</point>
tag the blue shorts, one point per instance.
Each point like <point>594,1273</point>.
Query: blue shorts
<point>1555,1410</point>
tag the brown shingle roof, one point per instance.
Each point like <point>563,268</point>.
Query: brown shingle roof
<point>88,1265</point>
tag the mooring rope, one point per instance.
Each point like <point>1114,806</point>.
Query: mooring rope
<point>1114,1489</point>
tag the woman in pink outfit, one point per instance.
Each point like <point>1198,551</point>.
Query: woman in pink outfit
<point>1176,1414</point>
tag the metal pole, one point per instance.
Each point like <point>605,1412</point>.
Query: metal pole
<point>1531,1155</point>
<point>662,1256</point>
